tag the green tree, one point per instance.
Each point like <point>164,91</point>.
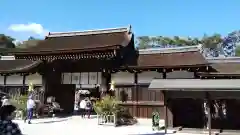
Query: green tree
<point>143,42</point>
<point>6,44</point>
<point>28,43</point>
<point>211,42</point>
<point>237,51</point>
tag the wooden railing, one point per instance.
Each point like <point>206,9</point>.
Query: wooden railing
<point>107,120</point>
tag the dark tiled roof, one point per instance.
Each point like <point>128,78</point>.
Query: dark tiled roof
<point>17,66</point>
<point>81,41</point>
<point>175,59</point>
<point>226,68</point>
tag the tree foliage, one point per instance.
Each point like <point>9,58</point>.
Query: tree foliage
<point>210,42</point>
<point>6,43</point>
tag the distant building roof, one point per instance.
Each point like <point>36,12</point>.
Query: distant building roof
<point>59,42</point>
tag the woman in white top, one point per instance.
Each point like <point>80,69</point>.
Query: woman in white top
<point>82,108</point>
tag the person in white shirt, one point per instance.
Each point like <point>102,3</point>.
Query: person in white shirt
<point>82,108</point>
<point>30,106</point>
<point>5,101</point>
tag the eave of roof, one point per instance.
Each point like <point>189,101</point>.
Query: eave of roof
<point>190,56</point>
<point>224,66</point>
<point>58,42</point>
<point>18,66</point>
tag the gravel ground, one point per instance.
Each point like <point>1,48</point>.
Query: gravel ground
<point>75,125</point>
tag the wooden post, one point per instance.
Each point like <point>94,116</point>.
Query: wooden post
<point>24,83</point>
<point>4,83</point>
<point>165,105</point>
<point>209,113</point>
<point>166,111</point>
<point>135,93</point>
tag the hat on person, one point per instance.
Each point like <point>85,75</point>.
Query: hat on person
<point>7,110</point>
<point>30,97</point>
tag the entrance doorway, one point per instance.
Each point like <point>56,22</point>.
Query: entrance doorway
<point>187,113</point>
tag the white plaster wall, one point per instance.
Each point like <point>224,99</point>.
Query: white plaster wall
<point>180,75</point>
<point>34,78</point>
<point>76,78</point>
<point>14,79</point>
<point>1,79</point>
<point>84,78</point>
<point>66,78</point>
<point>123,78</point>
<point>148,76</point>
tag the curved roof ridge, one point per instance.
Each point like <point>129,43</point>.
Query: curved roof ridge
<point>89,32</point>
<point>223,60</point>
<point>171,50</point>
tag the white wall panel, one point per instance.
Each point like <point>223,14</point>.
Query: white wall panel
<point>100,78</point>
<point>123,78</point>
<point>34,78</point>
<point>66,78</point>
<point>14,79</point>
<point>84,78</point>
<point>93,76</point>
<point>180,75</point>
<point>1,79</point>
<point>148,76</point>
<point>75,78</point>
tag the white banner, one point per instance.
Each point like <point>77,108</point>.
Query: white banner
<point>84,78</point>
<point>14,79</point>
<point>93,76</point>
<point>75,78</point>
<point>66,78</point>
<point>123,78</point>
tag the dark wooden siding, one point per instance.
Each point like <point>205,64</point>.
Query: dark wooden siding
<point>144,111</point>
<point>142,102</point>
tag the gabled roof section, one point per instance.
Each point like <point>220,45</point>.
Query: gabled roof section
<point>81,41</point>
<point>225,65</point>
<point>190,56</point>
<point>18,66</point>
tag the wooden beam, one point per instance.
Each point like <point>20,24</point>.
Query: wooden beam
<point>166,111</point>
<point>209,113</point>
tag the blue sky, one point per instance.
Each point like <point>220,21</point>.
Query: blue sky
<point>24,18</point>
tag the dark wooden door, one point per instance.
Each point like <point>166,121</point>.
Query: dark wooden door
<point>187,113</point>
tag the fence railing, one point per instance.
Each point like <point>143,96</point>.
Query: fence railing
<point>107,120</point>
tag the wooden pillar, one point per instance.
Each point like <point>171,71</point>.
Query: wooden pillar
<point>165,111</point>
<point>136,93</point>
<point>4,83</point>
<point>209,113</point>
<point>24,83</point>
<point>165,105</point>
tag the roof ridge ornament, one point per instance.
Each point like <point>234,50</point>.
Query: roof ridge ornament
<point>89,32</point>
<point>223,60</point>
<point>171,50</point>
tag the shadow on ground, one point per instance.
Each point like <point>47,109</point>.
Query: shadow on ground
<point>154,134</point>
<point>51,121</point>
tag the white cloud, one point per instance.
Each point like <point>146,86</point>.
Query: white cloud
<point>30,27</point>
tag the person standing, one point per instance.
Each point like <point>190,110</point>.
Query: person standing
<point>82,108</point>
<point>7,127</point>
<point>5,101</point>
<point>30,108</point>
<point>88,107</point>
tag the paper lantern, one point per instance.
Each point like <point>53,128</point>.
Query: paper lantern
<point>30,87</point>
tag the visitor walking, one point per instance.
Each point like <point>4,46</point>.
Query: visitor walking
<point>88,107</point>
<point>30,108</point>
<point>82,108</point>
<point>7,127</point>
<point>5,101</point>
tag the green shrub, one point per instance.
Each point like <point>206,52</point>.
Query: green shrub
<point>109,106</point>
<point>20,103</point>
